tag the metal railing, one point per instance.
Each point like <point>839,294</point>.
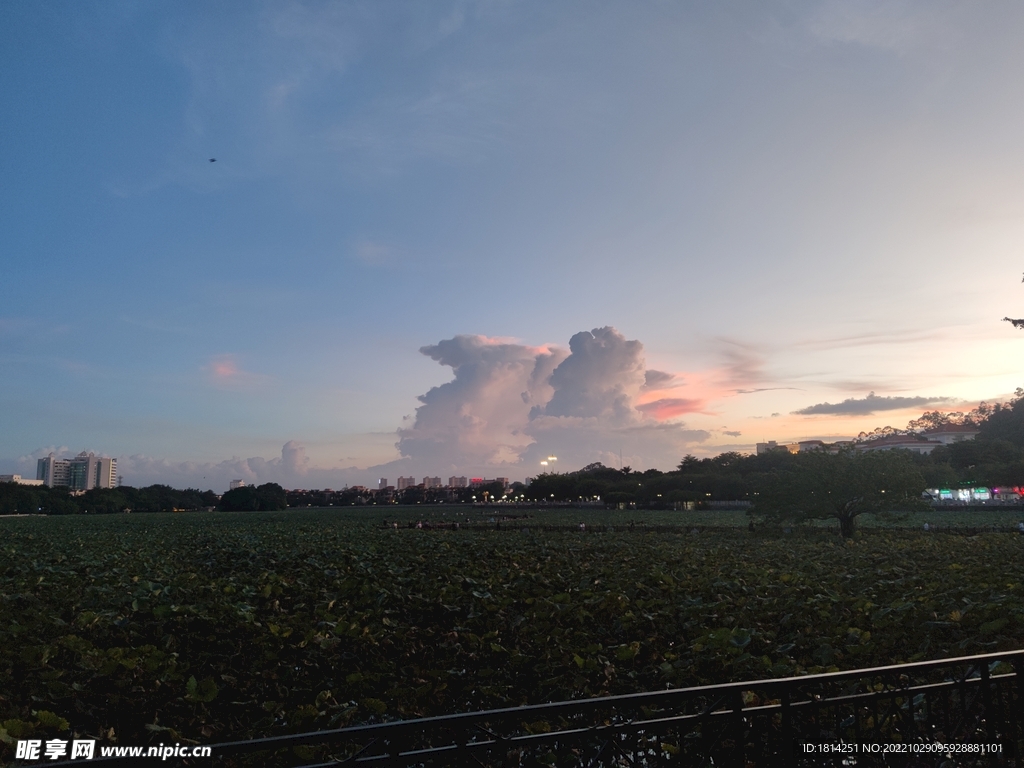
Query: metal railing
<point>954,712</point>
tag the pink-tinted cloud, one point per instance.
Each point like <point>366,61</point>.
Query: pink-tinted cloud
<point>658,380</point>
<point>225,372</point>
<point>510,405</point>
<point>670,407</point>
<point>223,368</point>
<point>478,418</point>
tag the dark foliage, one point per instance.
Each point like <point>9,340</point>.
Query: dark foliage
<point>841,486</point>
<point>18,499</point>
<point>261,498</point>
<point>220,627</point>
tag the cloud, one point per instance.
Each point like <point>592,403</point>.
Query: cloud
<point>42,453</point>
<point>480,416</point>
<point>670,407</point>
<point>291,470</point>
<point>599,378</point>
<point>223,368</point>
<point>896,27</point>
<point>294,459</point>
<point>224,372</point>
<point>657,379</point>
<point>732,433</point>
<point>743,364</point>
<point>868,405</point>
<point>510,406</point>
<point>373,254</point>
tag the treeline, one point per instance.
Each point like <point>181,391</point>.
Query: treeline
<point>254,498</point>
<point>16,499</point>
<point>416,495</point>
<point>994,458</point>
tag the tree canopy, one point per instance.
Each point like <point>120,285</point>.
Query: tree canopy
<point>248,498</point>
<point>35,499</point>
<point>819,485</point>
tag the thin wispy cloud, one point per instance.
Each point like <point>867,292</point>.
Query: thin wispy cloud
<point>671,407</point>
<point>764,389</point>
<point>873,403</point>
<point>373,254</point>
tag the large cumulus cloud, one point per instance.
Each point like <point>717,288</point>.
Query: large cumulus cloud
<point>510,406</point>
<point>479,418</point>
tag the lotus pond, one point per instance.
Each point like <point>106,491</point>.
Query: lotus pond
<point>220,626</point>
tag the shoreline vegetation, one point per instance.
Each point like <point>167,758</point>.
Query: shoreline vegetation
<point>994,458</point>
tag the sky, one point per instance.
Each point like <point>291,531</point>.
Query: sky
<point>454,238</point>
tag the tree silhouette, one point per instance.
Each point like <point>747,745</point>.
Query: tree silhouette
<point>1019,323</point>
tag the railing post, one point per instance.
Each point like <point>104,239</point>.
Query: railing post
<point>787,745</point>
<point>986,702</point>
<point>737,724</point>
<point>1017,708</point>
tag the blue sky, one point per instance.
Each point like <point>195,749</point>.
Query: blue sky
<point>785,204</point>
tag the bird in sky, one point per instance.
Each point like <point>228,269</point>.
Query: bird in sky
<point>213,159</point>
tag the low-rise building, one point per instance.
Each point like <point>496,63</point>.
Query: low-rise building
<point>18,479</point>
<point>771,445</point>
<point>952,433</point>
<point>900,442</point>
<point>810,445</point>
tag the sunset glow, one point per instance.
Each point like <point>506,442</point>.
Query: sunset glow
<point>459,238</point>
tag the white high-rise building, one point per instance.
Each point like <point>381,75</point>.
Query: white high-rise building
<point>432,482</point>
<point>406,482</point>
<point>236,484</point>
<point>53,471</point>
<point>82,473</point>
<point>458,482</point>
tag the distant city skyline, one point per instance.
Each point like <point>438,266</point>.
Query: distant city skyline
<point>456,238</point>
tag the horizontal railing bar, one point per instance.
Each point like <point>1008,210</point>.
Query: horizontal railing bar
<point>467,720</point>
<point>581,705</point>
<point>640,726</point>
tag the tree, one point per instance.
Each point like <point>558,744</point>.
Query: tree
<point>271,496</point>
<point>690,463</point>
<point>1015,323</point>
<point>820,486</point>
<point>242,499</point>
<point>880,432</point>
<point>1005,421</point>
